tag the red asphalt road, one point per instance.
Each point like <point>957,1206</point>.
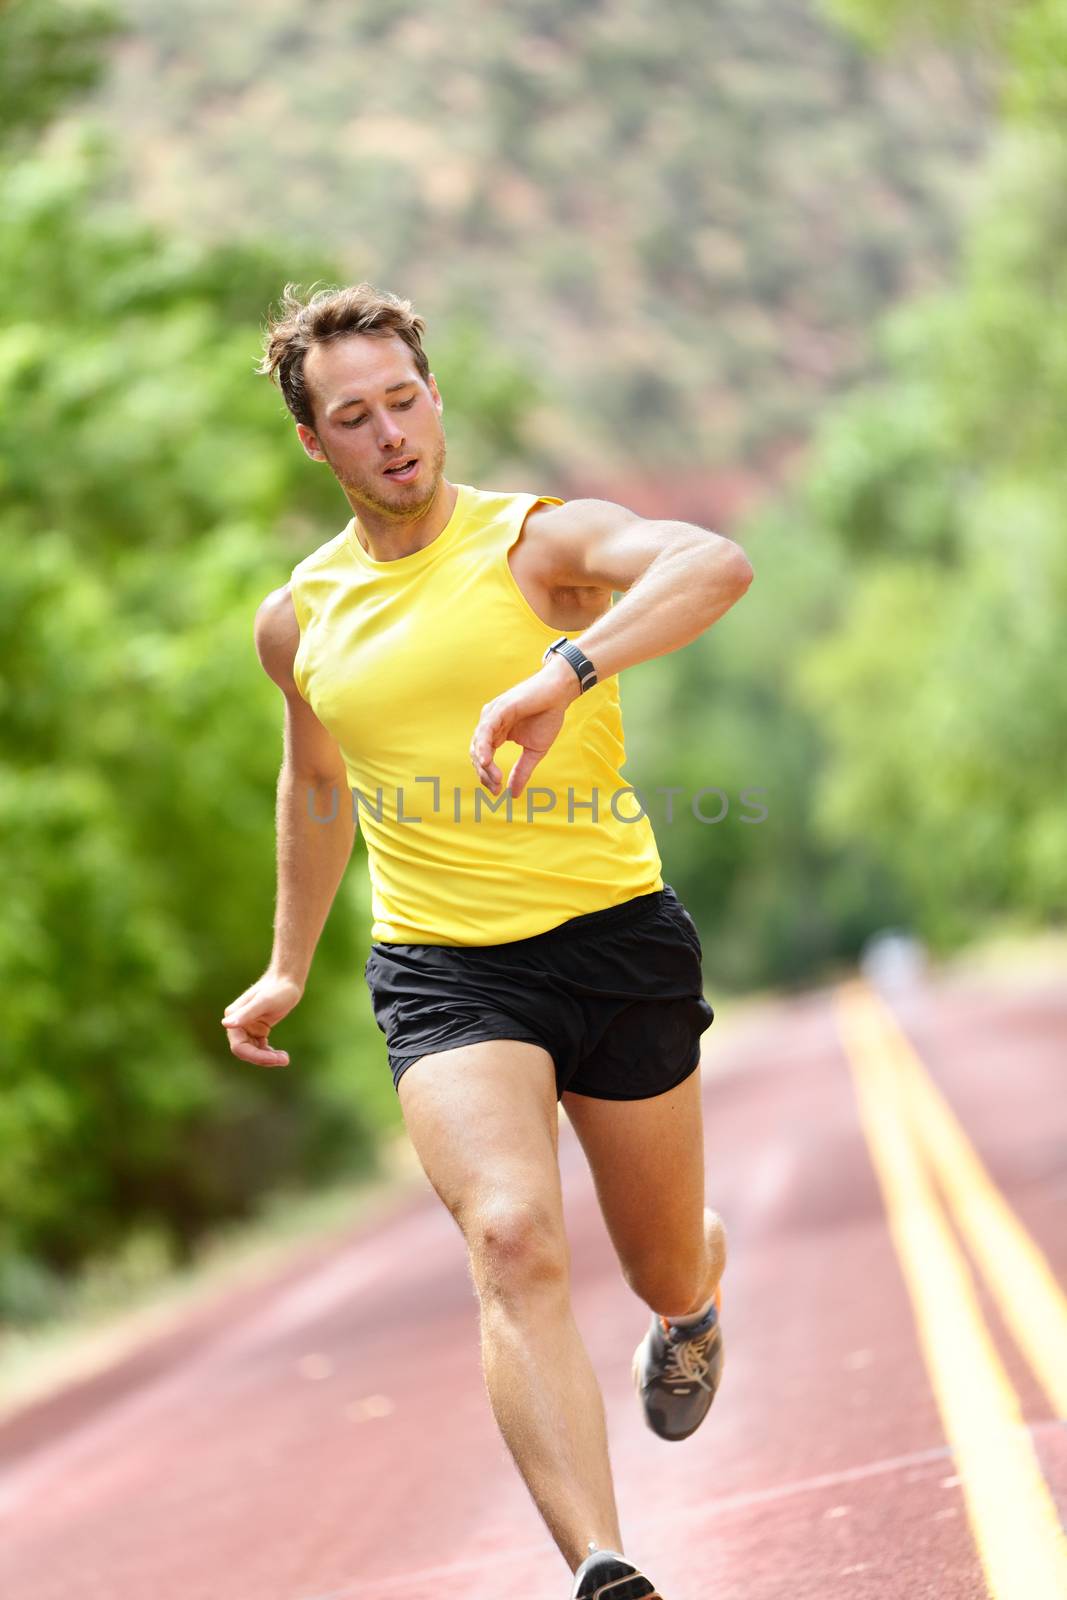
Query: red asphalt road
<point>327,1435</point>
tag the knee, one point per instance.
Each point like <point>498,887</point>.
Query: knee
<point>516,1248</point>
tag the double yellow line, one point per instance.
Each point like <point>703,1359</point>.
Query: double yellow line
<point>916,1143</point>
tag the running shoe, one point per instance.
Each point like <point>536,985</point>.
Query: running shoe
<point>676,1372</point>
<point>605,1575</point>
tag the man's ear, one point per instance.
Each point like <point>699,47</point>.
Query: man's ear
<point>309,439</point>
<point>435,391</point>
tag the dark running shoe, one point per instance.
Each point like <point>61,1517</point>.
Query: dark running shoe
<point>605,1575</point>
<point>676,1372</point>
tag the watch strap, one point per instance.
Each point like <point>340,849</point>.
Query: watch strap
<point>578,659</point>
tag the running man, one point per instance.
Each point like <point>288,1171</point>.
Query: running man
<point>526,951</point>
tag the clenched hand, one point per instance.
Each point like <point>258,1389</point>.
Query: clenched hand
<point>249,1019</point>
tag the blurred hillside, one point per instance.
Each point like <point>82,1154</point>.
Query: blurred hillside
<point>684,218</point>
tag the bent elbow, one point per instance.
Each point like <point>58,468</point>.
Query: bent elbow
<point>740,571</point>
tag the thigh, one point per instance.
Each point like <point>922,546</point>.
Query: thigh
<point>647,1162</point>
<point>484,1121</point>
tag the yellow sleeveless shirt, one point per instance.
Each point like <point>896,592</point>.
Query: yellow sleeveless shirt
<point>396,659</point>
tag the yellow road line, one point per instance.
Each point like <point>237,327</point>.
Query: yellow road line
<point>1012,1514</point>
<point>1028,1296</point>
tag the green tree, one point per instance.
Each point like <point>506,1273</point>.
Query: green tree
<point>49,49</point>
<point>940,687</point>
<point>152,491</point>
<point>893,678</point>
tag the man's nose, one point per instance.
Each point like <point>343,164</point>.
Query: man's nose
<point>390,433</point>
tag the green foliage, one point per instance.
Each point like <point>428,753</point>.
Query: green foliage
<point>48,50</point>
<point>144,490</point>
<point>151,492</point>
<point>1028,35</point>
<point>894,677</point>
<point>884,24</point>
<point>938,686</point>
<point>1036,93</point>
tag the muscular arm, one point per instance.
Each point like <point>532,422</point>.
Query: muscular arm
<point>677,579</point>
<point>312,783</point>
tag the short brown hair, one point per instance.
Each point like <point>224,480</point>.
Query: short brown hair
<point>332,314</point>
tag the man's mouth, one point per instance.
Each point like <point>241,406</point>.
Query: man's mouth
<point>404,470</point>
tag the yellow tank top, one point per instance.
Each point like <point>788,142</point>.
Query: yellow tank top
<point>396,659</point>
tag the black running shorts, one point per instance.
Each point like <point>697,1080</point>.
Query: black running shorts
<point>615,996</point>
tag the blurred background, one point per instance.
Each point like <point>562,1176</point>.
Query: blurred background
<point>789,269</point>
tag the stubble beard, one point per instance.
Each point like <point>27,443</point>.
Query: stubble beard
<point>363,492</point>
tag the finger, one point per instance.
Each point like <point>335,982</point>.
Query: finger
<point>257,1051</point>
<point>240,1000</point>
<point>488,735</point>
<point>240,1019</point>
<point>253,1024</point>
<point>488,773</point>
<point>519,775</point>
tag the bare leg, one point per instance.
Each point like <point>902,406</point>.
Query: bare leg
<point>647,1162</point>
<point>484,1123</point>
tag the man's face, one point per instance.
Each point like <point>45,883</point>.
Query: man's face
<point>373,412</point>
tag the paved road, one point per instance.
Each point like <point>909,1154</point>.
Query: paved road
<point>890,1425</point>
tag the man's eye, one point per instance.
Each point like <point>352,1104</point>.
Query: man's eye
<point>401,405</point>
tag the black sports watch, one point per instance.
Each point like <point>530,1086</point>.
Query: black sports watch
<point>577,658</point>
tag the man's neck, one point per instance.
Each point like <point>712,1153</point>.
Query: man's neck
<point>389,538</point>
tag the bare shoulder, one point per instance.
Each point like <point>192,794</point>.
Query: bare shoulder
<point>309,748</point>
<point>577,517</point>
<point>560,538</point>
<point>277,635</point>
<point>590,544</point>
